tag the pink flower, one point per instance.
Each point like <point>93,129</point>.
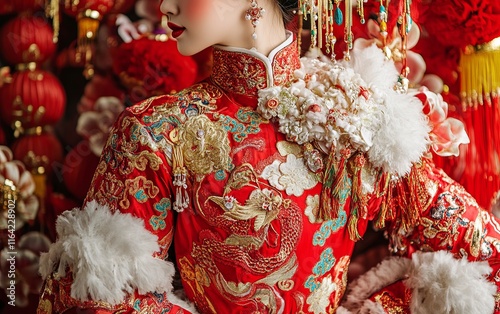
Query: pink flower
<point>95,125</point>
<point>447,133</point>
<point>272,103</point>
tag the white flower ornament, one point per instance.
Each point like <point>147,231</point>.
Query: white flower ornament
<point>17,189</point>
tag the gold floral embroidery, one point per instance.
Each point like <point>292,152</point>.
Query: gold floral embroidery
<point>249,72</point>
<point>144,105</point>
<point>196,100</point>
<point>474,236</point>
<point>110,191</point>
<point>205,145</point>
<point>139,188</point>
<point>393,304</point>
<point>198,280</point>
<point>141,160</point>
<point>246,74</point>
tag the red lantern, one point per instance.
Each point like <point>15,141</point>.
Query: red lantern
<point>78,169</point>
<point>27,39</point>
<point>40,153</point>
<point>32,99</point>
<point>27,5</point>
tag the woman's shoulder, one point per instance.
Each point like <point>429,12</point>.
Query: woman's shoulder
<point>176,107</point>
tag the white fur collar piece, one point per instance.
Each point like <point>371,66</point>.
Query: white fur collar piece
<point>351,105</point>
<point>439,283</point>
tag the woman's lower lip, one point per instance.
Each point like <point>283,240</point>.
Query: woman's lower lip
<point>177,33</point>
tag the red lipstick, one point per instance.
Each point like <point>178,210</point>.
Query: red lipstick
<point>176,29</point>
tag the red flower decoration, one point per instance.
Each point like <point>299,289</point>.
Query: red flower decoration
<point>148,67</point>
<point>462,22</point>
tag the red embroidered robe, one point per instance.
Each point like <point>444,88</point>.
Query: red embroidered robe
<point>246,234</point>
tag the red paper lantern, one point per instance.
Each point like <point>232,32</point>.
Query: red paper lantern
<point>27,39</point>
<point>32,99</point>
<point>27,5</point>
<point>39,151</point>
<point>78,169</point>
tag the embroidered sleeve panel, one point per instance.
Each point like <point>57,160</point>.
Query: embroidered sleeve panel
<point>134,175</point>
<point>430,212</point>
<point>56,297</point>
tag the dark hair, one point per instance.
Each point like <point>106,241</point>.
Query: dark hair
<point>288,8</point>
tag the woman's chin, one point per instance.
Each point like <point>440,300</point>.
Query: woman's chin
<point>187,49</point>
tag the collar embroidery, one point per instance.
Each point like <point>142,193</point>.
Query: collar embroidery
<point>245,72</point>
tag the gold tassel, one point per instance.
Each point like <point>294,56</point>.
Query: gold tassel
<point>335,184</point>
<point>384,191</point>
<point>52,11</point>
<point>180,173</point>
<point>358,201</point>
<point>325,211</point>
<point>479,73</point>
<point>88,25</point>
<point>352,226</point>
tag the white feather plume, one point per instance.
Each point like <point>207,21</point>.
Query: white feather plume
<point>110,254</point>
<point>439,283</point>
<point>403,136</point>
<point>444,284</point>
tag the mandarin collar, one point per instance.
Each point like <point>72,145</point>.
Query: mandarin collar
<point>244,71</point>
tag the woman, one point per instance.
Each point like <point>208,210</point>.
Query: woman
<point>271,171</point>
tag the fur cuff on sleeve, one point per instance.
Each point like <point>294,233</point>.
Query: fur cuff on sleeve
<point>110,255</point>
<point>439,282</point>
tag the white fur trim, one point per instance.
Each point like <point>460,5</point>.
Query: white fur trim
<point>439,282</point>
<point>403,136</point>
<point>443,284</point>
<point>110,254</point>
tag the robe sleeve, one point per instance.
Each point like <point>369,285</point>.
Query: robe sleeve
<point>427,211</point>
<point>111,255</point>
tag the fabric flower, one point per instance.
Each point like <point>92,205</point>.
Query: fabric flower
<point>311,210</point>
<point>328,103</point>
<point>148,67</point>
<point>95,125</point>
<point>16,180</point>
<point>320,298</point>
<point>447,133</point>
<point>459,23</point>
<point>292,176</point>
